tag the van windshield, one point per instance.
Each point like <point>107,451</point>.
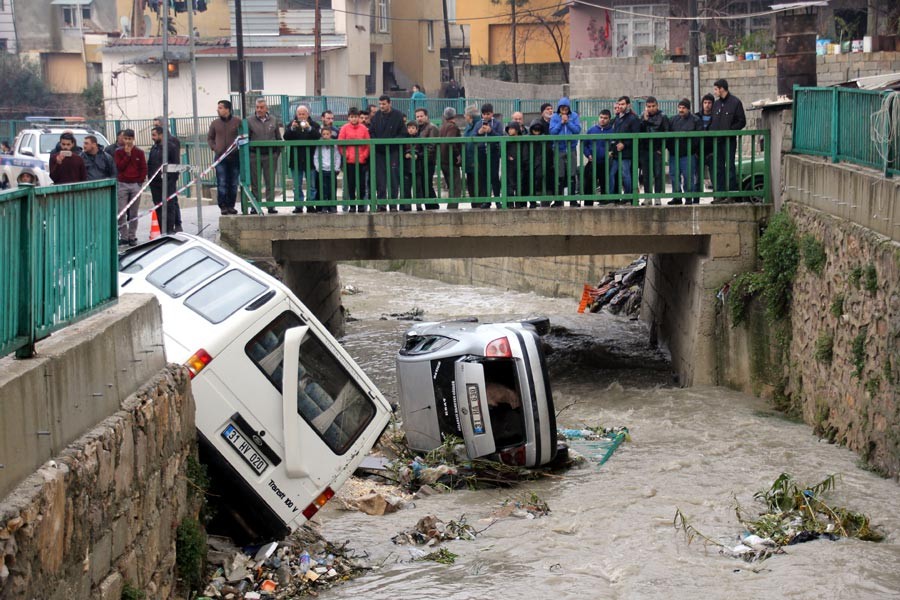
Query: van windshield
<point>328,398</point>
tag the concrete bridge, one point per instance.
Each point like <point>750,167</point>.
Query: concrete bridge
<point>694,251</point>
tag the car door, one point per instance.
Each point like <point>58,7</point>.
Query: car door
<point>472,404</point>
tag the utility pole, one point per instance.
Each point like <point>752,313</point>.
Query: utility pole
<point>695,55</point>
<point>165,115</point>
<point>318,50</point>
<point>513,32</point>
<point>198,188</point>
<point>447,43</point>
<point>242,77</point>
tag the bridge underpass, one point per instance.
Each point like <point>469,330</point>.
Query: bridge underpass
<point>693,251</point>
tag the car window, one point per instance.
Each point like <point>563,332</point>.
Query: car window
<point>220,298</point>
<point>182,273</point>
<point>328,398</point>
<point>135,260</point>
<point>27,142</point>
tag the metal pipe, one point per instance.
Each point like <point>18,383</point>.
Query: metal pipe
<point>198,187</point>
<point>242,76</point>
<point>318,50</point>
<point>165,114</point>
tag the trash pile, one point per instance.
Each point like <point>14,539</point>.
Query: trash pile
<point>414,314</point>
<point>431,531</point>
<point>528,506</point>
<point>595,444</point>
<point>302,564</point>
<point>620,291</point>
<point>794,514</point>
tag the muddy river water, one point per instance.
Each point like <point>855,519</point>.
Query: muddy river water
<point>610,531</point>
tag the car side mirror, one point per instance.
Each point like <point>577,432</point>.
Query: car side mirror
<point>27,152</point>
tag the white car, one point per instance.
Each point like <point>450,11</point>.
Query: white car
<point>31,151</point>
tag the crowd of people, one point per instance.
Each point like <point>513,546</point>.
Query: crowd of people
<point>543,169</point>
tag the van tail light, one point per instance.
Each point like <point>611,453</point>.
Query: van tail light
<point>198,361</point>
<point>499,348</point>
<point>513,456</point>
<point>318,503</point>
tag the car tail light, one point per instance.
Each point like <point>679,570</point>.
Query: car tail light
<point>513,456</point>
<point>198,361</point>
<point>499,348</point>
<point>318,503</point>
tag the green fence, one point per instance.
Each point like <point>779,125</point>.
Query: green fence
<point>59,249</point>
<point>509,171</point>
<point>587,108</point>
<point>851,125</point>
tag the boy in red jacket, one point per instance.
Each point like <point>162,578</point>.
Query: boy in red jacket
<point>355,159</point>
<point>131,164</point>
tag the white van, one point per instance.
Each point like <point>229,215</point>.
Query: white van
<point>278,441</point>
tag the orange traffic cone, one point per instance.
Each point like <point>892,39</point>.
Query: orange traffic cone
<point>154,226</point>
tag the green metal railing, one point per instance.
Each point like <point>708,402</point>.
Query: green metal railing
<point>841,123</point>
<point>508,171</point>
<point>587,108</point>
<point>59,266</point>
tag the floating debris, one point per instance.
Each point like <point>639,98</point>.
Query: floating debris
<point>430,531</point>
<point>350,290</point>
<point>302,564</point>
<point>595,444</point>
<point>443,556</point>
<point>795,514</point>
<point>527,506</point>
<point>620,291</point>
<point>414,314</point>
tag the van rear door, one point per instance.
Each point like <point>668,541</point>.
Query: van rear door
<point>471,401</point>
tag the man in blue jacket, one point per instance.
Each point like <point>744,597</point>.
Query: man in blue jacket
<point>621,150</point>
<point>488,155</point>
<point>565,122</point>
<point>595,154</point>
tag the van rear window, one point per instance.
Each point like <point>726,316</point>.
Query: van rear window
<point>220,298</point>
<point>136,259</point>
<point>179,275</point>
<point>328,398</point>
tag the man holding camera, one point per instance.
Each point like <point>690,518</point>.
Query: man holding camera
<point>302,128</point>
<point>131,165</point>
<point>66,165</point>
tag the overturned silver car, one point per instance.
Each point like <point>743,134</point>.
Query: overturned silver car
<point>484,383</point>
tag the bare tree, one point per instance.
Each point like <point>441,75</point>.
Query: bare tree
<point>513,5</point>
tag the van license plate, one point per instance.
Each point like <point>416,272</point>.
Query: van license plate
<point>243,447</point>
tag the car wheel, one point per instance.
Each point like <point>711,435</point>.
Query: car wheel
<point>756,183</point>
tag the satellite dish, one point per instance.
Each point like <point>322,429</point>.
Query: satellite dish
<point>125,23</point>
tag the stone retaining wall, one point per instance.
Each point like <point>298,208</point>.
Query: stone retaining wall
<point>104,512</point>
<point>860,410</point>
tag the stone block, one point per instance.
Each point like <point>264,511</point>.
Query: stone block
<point>101,558</point>
<point>111,588</point>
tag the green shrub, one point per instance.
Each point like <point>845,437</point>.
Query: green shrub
<point>744,287</point>
<point>855,276</point>
<point>825,348</point>
<point>859,351</point>
<point>190,553</point>
<point>870,279</point>
<point>873,384</point>
<point>813,253</point>
<point>837,305</point>
<point>780,255</point>
<point>129,592</point>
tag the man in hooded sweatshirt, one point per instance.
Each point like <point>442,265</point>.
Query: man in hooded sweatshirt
<point>565,122</point>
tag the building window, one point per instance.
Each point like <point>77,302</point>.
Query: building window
<point>255,80</point>
<point>384,16</point>
<point>70,15</point>
<point>86,13</point>
<point>636,29</point>
<point>430,41</point>
<point>303,4</point>
<point>2,5</point>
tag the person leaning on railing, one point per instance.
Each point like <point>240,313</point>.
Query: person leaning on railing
<point>728,115</point>
<point>651,151</point>
<point>488,155</point>
<point>264,161</point>
<point>596,153</point>
<point>468,162</point>
<point>302,128</point>
<point>565,122</point>
<point>427,158</point>
<point>627,123</point>
<point>450,158</point>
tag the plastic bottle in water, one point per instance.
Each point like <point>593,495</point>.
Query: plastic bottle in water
<point>304,562</point>
<point>329,561</point>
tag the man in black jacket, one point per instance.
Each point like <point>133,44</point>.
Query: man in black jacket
<point>683,154</point>
<point>728,115</point>
<point>99,164</point>
<point>154,161</point>
<point>651,151</point>
<point>621,150</point>
<point>387,123</point>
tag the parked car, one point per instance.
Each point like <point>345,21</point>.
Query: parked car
<point>484,383</point>
<point>32,147</point>
<point>284,415</point>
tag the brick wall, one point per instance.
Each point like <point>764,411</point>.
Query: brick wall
<point>480,87</point>
<point>104,511</point>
